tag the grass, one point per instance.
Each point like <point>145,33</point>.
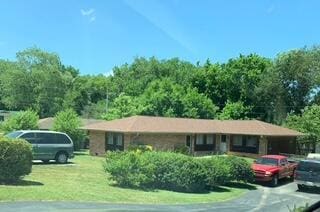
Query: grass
<point>84,180</point>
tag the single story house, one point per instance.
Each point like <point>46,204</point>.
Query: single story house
<point>47,123</point>
<point>239,137</point>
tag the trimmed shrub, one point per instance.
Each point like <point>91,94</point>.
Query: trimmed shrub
<point>240,169</point>
<point>163,170</point>
<point>174,171</point>
<point>218,171</point>
<point>129,169</point>
<point>15,159</point>
<point>177,172</point>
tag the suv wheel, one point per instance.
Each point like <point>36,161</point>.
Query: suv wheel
<point>274,181</point>
<point>62,158</point>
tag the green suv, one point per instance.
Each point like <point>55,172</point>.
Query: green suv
<point>47,145</point>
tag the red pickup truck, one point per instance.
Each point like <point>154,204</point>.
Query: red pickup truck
<point>271,168</point>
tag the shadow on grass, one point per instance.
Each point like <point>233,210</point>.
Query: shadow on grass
<point>241,185</point>
<point>24,183</point>
<point>202,191</point>
<point>39,163</point>
<point>81,152</point>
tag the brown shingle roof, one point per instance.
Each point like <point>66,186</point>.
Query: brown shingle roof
<point>47,123</point>
<point>148,124</point>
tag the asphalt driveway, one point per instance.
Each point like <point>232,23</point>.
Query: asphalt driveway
<point>263,199</point>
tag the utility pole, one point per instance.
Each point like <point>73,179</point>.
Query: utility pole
<point>107,101</point>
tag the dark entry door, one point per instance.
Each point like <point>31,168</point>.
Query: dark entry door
<point>273,147</point>
<point>114,141</point>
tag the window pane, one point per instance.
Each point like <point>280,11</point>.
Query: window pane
<point>110,138</point>
<point>252,141</point>
<point>30,137</point>
<point>199,140</point>
<point>45,138</point>
<point>237,140</point>
<point>223,138</point>
<point>210,139</point>
<point>188,141</point>
<point>119,139</point>
<point>62,139</point>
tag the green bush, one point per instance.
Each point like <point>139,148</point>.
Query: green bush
<point>183,149</point>
<point>163,170</point>
<point>68,121</point>
<point>174,171</point>
<point>129,169</point>
<point>177,172</point>
<point>24,120</point>
<point>15,159</point>
<point>218,171</point>
<point>140,148</point>
<point>240,169</point>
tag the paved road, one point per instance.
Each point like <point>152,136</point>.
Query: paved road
<point>263,199</point>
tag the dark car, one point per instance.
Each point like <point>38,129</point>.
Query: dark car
<point>308,174</point>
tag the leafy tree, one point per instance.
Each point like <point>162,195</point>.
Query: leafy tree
<point>242,75</point>
<point>123,106</point>
<point>299,76</point>
<point>68,121</point>
<point>166,98</point>
<point>24,120</point>
<point>309,123</point>
<point>234,110</point>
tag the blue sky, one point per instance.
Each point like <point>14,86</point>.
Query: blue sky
<point>96,35</point>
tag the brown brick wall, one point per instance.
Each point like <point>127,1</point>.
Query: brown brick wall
<point>157,141</point>
<point>97,143</point>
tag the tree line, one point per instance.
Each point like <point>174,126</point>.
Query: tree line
<point>249,86</point>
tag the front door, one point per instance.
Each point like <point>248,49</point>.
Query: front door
<point>273,147</point>
<point>223,144</point>
<point>114,141</point>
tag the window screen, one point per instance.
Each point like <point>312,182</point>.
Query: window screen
<point>209,139</point>
<point>200,140</point>
<point>237,140</point>
<point>252,141</point>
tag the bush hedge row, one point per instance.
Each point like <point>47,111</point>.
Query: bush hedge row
<point>15,159</point>
<point>174,171</point>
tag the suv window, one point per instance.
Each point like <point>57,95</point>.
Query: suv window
<point>309,166</point>
<point>30,137</point>
<point>45,138</point>
<point>62,139</point>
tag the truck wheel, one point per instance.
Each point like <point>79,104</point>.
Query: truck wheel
<point>62,157</point>
<point>274,181</point>
<point>292,176</point>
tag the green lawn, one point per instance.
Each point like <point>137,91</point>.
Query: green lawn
<point>85,180</point>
